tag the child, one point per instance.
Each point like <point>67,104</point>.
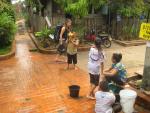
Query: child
<point>95,64</point>
<point>73,43</point>
<point>104,99</point>
<point>117,73</point>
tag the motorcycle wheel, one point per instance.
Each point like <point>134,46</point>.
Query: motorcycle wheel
<point>107,43</point>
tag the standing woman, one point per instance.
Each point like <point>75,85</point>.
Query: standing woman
<point>95,66</point>
<point>63,39</point>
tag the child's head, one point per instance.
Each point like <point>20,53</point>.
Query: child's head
<point>98,44</point>
<point>103,86</point>
<point>72,35</point>
<point>116,57</point>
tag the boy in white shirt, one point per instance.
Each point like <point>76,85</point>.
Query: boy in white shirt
<point>95,66</point>
<point>104,99</point>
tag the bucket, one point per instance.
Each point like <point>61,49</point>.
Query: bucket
<point>74,91</point>
<point>127,100</point>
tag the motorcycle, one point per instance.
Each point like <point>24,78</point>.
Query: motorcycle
<point>90,36</point>
<point>105,39</point>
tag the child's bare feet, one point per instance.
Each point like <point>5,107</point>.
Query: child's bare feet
<point>56,59</point>
<point>76,68</point>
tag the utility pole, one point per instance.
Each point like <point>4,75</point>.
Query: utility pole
<point>146,73</point>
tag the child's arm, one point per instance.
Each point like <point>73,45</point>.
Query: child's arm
<point>102,70</point>
<point>111,73</point>
<point>107,70</point>
<point>67,41</point>
<point>96,89</point>
<point>76,42</point>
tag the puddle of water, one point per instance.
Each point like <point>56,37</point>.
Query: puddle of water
<point>27,109</point>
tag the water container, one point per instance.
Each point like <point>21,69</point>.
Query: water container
<point>127,100</point>
<point>74,91</point>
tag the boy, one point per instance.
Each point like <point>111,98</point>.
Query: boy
<point>73,43</point>
<point>104,99</point>
<point>95,66</point>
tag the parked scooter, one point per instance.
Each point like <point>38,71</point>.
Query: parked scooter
<point>90,36</point>
<point>105,39</point>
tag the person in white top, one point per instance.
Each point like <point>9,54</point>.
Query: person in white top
<point>95,66</point>
<point>104,99</point>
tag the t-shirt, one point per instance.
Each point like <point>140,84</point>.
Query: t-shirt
<point>71,48</point>
<point>95,59</point>
<point>121,70</point>
<point>104,101</point>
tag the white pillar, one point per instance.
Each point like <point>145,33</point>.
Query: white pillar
<point>146,73</point>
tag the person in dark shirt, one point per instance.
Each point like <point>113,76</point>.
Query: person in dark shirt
<point>63,39</point>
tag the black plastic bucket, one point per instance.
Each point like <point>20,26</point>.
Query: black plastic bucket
<point>74,91</point>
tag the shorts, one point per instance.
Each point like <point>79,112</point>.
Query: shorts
<point>94,79</point>
<point>72,59</point>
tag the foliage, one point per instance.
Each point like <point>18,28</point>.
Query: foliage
<point>44,39</point>
<point>44,33</point>
<point>147,7</point>
<point>63,3</point>
<point>80,8</point>
<point>130,11</point>
<point>9,1</point>
<point>7,29</point>
<point>127,8</point>
<point>130,32</point>
<point>130,8</point>
<point>5,50</point>
<point>97,3</point>
<point>79,29</point>
<point>34,4</point>
<point>8,8</point>
<point>27,20</point>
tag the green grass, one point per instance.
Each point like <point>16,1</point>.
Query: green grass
<point>5,50</point>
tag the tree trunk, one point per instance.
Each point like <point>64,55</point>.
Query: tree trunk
<point>93,10</point>
<point>148,15</point>
<point>146,74</point>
